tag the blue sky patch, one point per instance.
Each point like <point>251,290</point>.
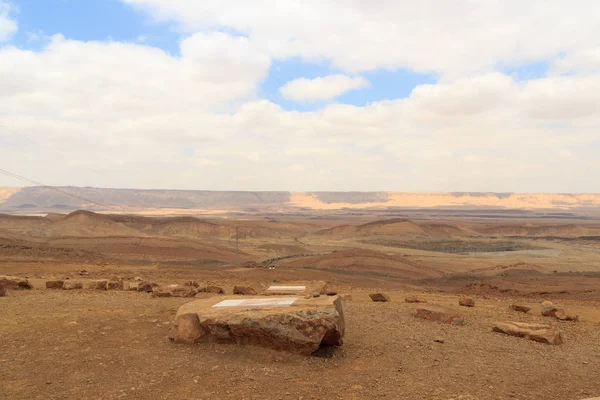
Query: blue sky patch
<point>89,20</point>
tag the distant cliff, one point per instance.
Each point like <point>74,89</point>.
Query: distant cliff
<point>65,199</point>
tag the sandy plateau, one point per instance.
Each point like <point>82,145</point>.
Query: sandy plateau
<point>113,344</point>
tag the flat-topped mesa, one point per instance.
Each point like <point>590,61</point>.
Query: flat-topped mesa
<point>296,288</point>
<point>292,324</point>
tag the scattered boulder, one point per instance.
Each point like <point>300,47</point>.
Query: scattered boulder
<point>300,328</point>
<point>438,313</point>
<point>55,284</point>
<point>379,297</point>
<point>466,302</point>
<point>414,300</point>
<point>563,315</point>
<point>72,285</point>
<point>520,308</point>
<point>548,309</point>
<point>540,333</point>
<point>100,284</point>
<point>244,290</point>
<point>115,285</point>
<point>15,283</point>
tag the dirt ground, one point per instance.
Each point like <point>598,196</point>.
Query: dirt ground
<point>84,344</point>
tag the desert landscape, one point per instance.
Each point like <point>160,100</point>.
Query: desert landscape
<point>103,340</point>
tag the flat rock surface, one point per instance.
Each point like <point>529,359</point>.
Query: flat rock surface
<point>300,327</point>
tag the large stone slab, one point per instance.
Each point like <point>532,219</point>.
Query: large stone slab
<point>292,324</point>
<point>537,332</point>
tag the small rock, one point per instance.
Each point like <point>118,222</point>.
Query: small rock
<point>331,293</point>
<point>115,285</point>
<point>316,295</point>
<point>414,300</point>
<point>466,302</point>
<point>548,309</point>
<point>101,284</point>
<point>438,313</point>
<point>72,285</point>
<point>55,284</point>
<point>439,340</point>
<point>15,283</point>
<point>563,315</point>
<point>211,289</point>
<point>244,290</point>
<point>379,297</point>
<point>520,308</point>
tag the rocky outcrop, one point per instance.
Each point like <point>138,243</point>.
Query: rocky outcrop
<point>540,333</point>
<point>414,300</point>
<point>466,302</point>
<point>15,283</point>
<point>55,284</point>
<point>434,312</point>
<point>379,297</point>
<point>72,285</point>
<point>520,308</point>
<point>298,328</point>
<point>244,290</point>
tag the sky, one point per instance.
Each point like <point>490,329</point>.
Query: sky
<point>329,95</point>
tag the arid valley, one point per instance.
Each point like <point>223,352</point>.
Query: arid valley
<point>111,344</point>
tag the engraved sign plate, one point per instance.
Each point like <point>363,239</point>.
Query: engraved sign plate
<point>269,302</point>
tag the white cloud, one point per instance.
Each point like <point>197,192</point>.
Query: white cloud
<point>8,26</point>
<point>322,88</point>
<point>450,38</point>
<point>131,115</point>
